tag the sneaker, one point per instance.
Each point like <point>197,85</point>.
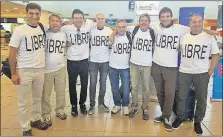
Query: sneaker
<point>27,133</point>
<point>176,124</point>
<point>91,110</point>
<point>61,115</point>
<point>126,110</point>
<point>167,125</point>
<point>83,109</point>
<point>116,109</point>
<point>145,114</point>
<point>74,111</point>
<point>104,108</point>
<point>48,121</point>
<point>133,112</point>
<point>158,119</point>
<point>39,124</point>
<point>198,129</point>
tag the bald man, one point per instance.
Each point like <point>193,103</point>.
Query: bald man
<point>99,56</point>
<point>196,48</point>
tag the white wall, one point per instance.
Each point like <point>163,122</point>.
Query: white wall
<point>119,9</point>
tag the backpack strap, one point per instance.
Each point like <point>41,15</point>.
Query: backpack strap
<point>152,34</point>
<point>135,30</point>
<point>42,28</point>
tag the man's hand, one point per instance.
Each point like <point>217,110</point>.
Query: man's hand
<point>15,79</point>
<point>210,72</point>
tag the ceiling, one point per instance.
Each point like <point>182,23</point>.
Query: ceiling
<point>12,8</point>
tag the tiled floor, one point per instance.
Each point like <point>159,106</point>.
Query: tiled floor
<point>100,123</point>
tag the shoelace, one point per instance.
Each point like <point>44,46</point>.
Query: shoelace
<point>167,121</point>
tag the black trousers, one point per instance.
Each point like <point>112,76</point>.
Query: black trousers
<point>74,69</point>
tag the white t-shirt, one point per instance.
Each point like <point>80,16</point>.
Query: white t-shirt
<point>99,51</point>
<point>141,51</point>
<point>55,50</point>
<point>167,44</point>
<point>195,52</point>
<point>30,44</point>
<point>79,49</point>
<point>120,53</point>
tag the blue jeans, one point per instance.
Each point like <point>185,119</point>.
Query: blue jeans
<point>94,68</point>
<point>120,98</point>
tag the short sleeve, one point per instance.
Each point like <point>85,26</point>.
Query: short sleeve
<point>16,38</point>
<point>184,29</point>
<point>90,23</point>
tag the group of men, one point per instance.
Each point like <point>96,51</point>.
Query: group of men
<point>130,54</point>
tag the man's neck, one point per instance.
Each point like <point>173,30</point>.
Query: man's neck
<point>32,25</point>
<point>195,32</point>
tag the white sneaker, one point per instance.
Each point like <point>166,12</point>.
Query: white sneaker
<point>116,109</point>
<point>126,110</point>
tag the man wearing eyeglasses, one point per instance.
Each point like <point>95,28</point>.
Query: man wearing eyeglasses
<point>78,35</point>
<point>27,46</point>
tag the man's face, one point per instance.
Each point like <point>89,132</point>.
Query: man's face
<point>144,23</point>
<point>165,18</point>
<point>100,20</point>
<point>33,16</point>
<point>121,28</point>
<point>55,23</point>
<point>196,23</point>
<point>78,20</point>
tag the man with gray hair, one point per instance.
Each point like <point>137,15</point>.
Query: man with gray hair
<point>119,67</point>
<point>99,57</point>
<point>196,48</point>
<point>55,70</point>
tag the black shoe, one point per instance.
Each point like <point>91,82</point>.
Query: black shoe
<point>27,133</point>
<point>167,124</point>
<point>39,124</point>
<point>145,114</point>
<point>176,124</point>
<point>83,109</point>
<point>132,113</point>
<point>158,119</point>
<point>74,111</point>
<point>198,129</point>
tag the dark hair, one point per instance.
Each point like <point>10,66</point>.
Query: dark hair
<point>33,6</point>
<point>166,10</point>
<point>144,15</point>
<point>77,11</point>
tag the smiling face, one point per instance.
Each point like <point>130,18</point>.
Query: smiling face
<point>78,20</point>
<point>121,27</point>
<point>165,18</point>
<point>144,22</point>
<point>54,23</point>
<point>196,24</point>
<point>33,16</point>
<point>100,20</point>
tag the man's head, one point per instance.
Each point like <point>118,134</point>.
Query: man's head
<point>33,11</point>
<point>78,18</point>
<point>165,16</point>
<point>196,23</point>
<point>100,20</point>
<point>55,22</point>
<point>121,26</point>
<point>144,21</point>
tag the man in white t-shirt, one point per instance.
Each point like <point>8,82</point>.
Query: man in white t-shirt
<point>165,62</point>
<point>99,57</point>
<point>27,72</point>
<point>196,48</point>
<point>119,68</point>
<point>55,70</point>
<point>78,35</point>
<point>140,64</point>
